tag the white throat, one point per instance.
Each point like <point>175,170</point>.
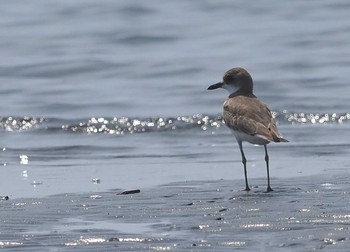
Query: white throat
<point>230,88</point>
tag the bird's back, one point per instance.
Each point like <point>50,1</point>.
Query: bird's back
<point>246,114</point>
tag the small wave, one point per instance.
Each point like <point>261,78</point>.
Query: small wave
<point>129,125</point>
<point>126,125</point>
<point>310,118</point>
<point>20,123</point>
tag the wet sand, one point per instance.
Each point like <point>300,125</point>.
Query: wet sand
<point>301,214</point>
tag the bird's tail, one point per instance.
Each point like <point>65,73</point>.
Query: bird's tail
<point>281,139</point>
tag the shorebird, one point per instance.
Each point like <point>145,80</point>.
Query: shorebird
<point>248,118</point>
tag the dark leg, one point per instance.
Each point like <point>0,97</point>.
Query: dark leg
<point>244,161</point>
<point>269,189</point>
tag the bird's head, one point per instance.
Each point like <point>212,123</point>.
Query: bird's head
<point>235,79</point>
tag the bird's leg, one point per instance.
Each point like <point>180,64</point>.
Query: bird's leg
<point>244,161</point>
<point>269,189</point>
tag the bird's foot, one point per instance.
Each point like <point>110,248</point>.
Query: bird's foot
<point>269,189</point>
<point>247,189</point>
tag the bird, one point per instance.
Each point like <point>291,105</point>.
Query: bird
<point>249,119</point>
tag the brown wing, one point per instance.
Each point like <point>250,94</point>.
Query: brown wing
<point>249,115</point>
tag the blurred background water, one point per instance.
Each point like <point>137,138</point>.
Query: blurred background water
<point>72,70</point>
<point>97,95</point>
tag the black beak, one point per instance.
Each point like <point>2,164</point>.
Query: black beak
<point>215,86</point>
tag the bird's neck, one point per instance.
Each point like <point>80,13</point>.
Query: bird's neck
<point>242,92</point>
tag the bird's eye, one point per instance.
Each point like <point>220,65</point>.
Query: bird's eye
<point>228,79</point>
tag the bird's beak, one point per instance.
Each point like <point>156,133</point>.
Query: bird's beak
<point>215,86</point>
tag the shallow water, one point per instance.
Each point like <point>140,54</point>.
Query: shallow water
<point>206,215</point>
<point>100,96</point>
